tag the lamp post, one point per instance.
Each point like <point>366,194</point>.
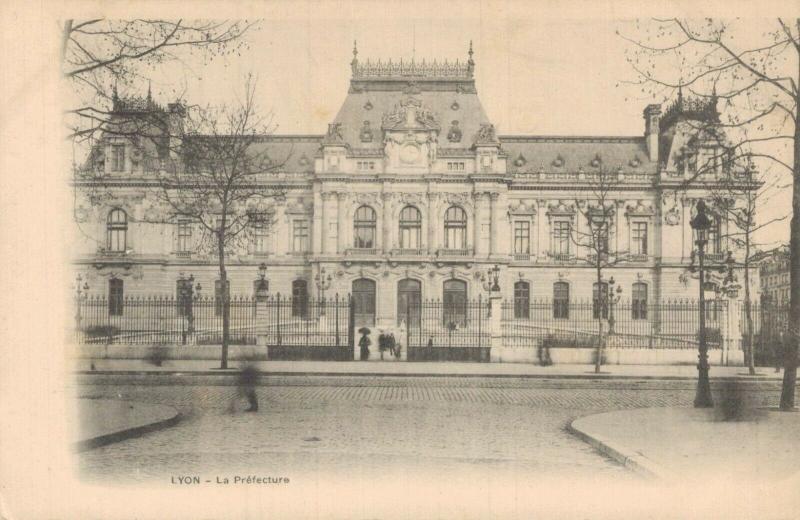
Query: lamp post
<point>81,290</point>
<point>323,282</point>
<point>187,297</point>
<point>261,286</point>
<point>612,300</point>
<point>701,224</point>
<point>490,281</point>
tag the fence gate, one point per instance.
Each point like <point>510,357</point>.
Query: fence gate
<point>452,330</point>
<point>308,328</point>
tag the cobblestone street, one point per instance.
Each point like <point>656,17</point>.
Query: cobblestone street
<point>373,426</point>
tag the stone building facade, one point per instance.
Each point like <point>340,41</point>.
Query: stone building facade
<point>411,193</point>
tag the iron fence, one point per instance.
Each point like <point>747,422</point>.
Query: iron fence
<point>457,330</point>
<point>770,322</point>
<point>628,324</point>
<point>282,321</point>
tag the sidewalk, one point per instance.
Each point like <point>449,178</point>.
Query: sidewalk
<point>103,421</point>
<point>399,368</point>
<point>683,445</point>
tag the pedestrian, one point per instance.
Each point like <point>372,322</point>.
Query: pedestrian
<point>364,343</point>
<point>247,386</point>
<point>391,343</point>
<point>382,343</point>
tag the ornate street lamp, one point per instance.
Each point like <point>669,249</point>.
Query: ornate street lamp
<point>496,272</point>
<point>323,282</point>
<point>261,287</point>
<point>612,300</point>
<point>490,281</point>
<point>186,299</point>
<point>701,224</point>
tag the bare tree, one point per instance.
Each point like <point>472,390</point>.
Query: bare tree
<point>739,197</point>
<point>98,56</point>
<point>598,212</point>
<point>217,180</point>
<point>755,77</point>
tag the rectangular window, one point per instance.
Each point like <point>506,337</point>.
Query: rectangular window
<point>260,240</point>
<point>300,236</point>
<point>522,237</point>
<point>561,301</point>
<point>561,237</point>
<point>115,296</point>
<point>118,157</point>
<point>639,301</point>
<point>455,166</point>
<point>639,238</point>
<point>184,236</point>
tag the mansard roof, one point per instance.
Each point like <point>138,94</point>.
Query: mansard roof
<point>572,153</point>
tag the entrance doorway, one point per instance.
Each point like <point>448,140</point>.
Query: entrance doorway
<point>364,302</point>
<point>409,299</point>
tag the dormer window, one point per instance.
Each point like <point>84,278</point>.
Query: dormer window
<point>118,157</point>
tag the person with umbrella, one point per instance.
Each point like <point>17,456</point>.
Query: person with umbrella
<point>364,343</point>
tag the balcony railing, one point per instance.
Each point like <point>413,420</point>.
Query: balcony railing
<point>461,252</point>
<point>362,251</point>
<point>522,257</point>
<point>638,257</point>
<point>561,257</point>
<point>405,251</point>
<point>183,254</point>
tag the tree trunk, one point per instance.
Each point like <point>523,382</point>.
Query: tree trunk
<point>748,309</point>
<point>791,344</point>
<point>226,308</point>
<point>598,359</point>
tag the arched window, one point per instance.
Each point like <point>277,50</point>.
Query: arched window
<point>455,303</point>
<point>300,298</point>
<point>455,228</point>
<point>600,300</point>
<point>410,228</point>
<point>522,300</point>
<point>115,296</point>
<point>364,225</point>
<point>561,300</point>
<point>409,300</point>
<point>117,230</point>
<point>639,301</point>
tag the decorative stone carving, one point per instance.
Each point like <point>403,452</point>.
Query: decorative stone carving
<point>597,161</point>
<point>411,88</point>
<point>672,216</point>
<point>454,134</point>
<point>486,134</point>
<point>639,210</point>
<point>520,161</point>
<point>561,209</point>
<point>334,134</point>
<point>558,162</point>
<point>366,133</point>
<point>368,105</point>
<point>455,106</point>
<point>522,208</point>
<point>635,162</point>
<point>303,160</point>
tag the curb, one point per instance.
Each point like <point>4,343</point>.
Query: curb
<point>129,433</point>
<point>634,462</point>
<point>235,372</point>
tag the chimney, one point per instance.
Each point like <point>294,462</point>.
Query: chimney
<point>652,117</point>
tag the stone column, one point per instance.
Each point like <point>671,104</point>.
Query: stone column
<point>340,212</point>
<point>432,245</point>
<point>496,326</point>
<point>325,239</point>
<point>542,240</point>
<point>480,200</point>
<point>495,222</point>
<point>387,222</point>
<point>316,226</point>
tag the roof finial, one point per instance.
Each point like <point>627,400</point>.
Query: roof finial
<point>114,95</point>
<point>149,92</point>
<point>470,62</point>
<point>354,63</point>
<point>680,94</point>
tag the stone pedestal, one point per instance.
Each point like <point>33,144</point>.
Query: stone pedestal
<point>496,325</point>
